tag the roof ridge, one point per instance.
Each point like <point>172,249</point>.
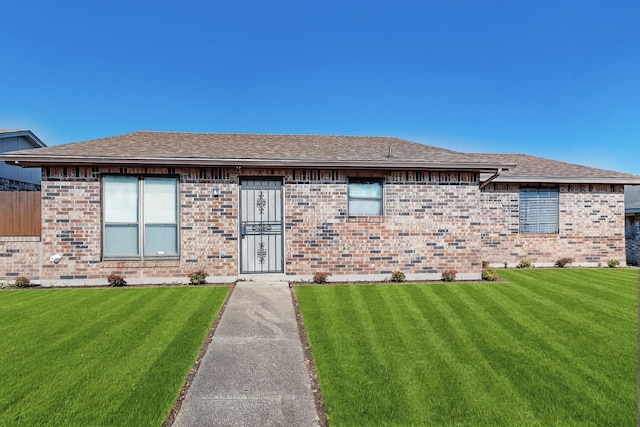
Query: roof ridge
<point>555,161</point>
<point>270,134</point>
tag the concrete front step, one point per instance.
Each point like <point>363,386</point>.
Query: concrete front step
<point>269,277</point>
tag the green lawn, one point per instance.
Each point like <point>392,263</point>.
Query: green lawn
<point>88,357</point>
<point>551,347</point>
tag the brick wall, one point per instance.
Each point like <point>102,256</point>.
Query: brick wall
<point>633,239</point>
<point>72,227</point>
<point>432,222</point>
<point>19,256</point>
<point>429,226</point>
<point>591,226</point>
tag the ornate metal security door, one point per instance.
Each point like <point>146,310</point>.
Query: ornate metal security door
<point>261,240</point>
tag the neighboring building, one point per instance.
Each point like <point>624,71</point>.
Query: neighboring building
<point>632,223</point>
<point>14,178</point>
<point>156,206</point>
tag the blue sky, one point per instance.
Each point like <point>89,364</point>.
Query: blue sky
<point>557,79</point>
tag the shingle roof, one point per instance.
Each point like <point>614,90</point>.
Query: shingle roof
<point>632,198</point>
<point>214,149</point>
<point>253,149</point>
<point>540,170</point>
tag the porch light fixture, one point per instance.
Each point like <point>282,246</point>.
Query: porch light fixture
<point>216,192</point>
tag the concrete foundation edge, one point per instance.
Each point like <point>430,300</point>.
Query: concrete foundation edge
<point>345,278</point>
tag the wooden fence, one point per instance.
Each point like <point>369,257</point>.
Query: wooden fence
<point>20,213</point>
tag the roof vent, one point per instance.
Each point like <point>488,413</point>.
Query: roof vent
<point>390,155</point>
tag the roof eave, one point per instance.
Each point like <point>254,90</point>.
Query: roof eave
<point>38,161</point>
<point>567,180</point>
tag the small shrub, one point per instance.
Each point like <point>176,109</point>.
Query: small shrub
<point>613,263</point>
<point>23,282</point>
<point>525,263</point>
<point>198,277</point>
<point>321,277</point>
<point>489,274</point>
<point>398,276</point>
<point>506,264</point>
<point>449,275</point>
<point>116,280</point>
<point>562,262</point>
<point>485,264</point>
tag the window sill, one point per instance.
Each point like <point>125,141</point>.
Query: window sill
<point>155,262</point>
<point>365,219</point>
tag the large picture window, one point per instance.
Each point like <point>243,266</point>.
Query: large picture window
<point>538,210</point>
<point>365,197</point>
<point>140,217</point>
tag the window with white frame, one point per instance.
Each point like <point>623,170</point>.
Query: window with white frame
<point>140,217</point>
<point>538,210</point>
<point>365,197</point>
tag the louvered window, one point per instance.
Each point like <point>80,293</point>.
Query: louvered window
<point>538,210</point>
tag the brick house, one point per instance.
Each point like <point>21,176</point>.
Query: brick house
<point>156,206</point>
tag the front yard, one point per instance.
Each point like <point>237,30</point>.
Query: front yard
<point>80,357</point>
<point>550,347</point>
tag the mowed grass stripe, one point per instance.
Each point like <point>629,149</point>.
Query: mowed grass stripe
<point>386,352</point>
<point>542,329</point>
<point>375,372</point>
<point>419,381</point>
<point>79,336</point>
<point>561,315</point>
<point>478,392</point>
<point>586,326</point>
<point>592,333</point>
<point>590,295</point>
<point>102,356</point>
<point>493,392</point>
<point>531,352</point>
<point>604,284</point>
<point>542,353</point>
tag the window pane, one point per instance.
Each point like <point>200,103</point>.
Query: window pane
<point>365,208</point>
<point>365,197</point>
<point>120,240</point>
<point>371,190</point>
<point>120,199</point>
<point>160,240</point>
<point>160,200</point>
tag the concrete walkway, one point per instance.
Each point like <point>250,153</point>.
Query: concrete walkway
<point>253,373</point>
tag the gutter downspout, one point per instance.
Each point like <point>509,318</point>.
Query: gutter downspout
<point>488,181</point>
